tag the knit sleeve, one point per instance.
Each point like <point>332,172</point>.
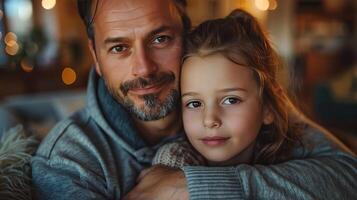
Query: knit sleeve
<point>178,154</point>
<point>321,169</point>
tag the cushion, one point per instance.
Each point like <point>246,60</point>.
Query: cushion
<point>16,150</point>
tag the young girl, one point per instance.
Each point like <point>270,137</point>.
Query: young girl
<point>234,110</point>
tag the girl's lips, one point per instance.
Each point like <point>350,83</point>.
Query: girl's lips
<point>214,141</point>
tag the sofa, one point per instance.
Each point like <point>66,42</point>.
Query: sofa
<point>24,121</point>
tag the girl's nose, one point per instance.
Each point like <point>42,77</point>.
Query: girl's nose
<point>211,120</point>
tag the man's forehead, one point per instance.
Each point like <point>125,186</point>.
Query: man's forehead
<point>121,18</point>
<point>124,10</point>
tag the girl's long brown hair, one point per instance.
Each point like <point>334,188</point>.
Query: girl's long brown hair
<point>240,39</point>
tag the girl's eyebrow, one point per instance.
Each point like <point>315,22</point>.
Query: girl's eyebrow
<point>189,94</point>
<point>220,91</point>
<point>233,89</point>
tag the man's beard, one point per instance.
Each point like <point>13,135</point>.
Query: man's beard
<point>153,108</point>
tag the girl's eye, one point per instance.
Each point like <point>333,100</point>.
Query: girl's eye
<point>231,100</point>
<point>118,49</point>
<point>193,104</point>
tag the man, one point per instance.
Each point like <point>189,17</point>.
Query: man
<point>99,152</point>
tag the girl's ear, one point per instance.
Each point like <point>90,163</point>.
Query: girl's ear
<point>268,116</point>
<point>94,56</point>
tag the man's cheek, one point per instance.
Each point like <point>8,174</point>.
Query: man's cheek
<point>169,57</point>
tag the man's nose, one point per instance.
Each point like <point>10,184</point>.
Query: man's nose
<point>143,63</point>
<point>211,119</point>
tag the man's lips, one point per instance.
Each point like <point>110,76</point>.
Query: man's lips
<point>214,141</point>
<point>148,89</point>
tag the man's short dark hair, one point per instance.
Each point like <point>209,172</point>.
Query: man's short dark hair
<point>88,8</point>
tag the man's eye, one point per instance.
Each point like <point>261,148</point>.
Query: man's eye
<point>118,49</point>
<point>193,104</point>
<point>231,100</point>
<point>161,39</point>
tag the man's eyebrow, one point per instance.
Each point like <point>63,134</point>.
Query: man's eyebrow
<point>114,40</point>
<point>151,34</point>
<point>159,30</point>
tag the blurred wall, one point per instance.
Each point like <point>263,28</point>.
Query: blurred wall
<point>43,49</point>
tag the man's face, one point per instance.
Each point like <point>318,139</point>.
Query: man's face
<point>138,47</point>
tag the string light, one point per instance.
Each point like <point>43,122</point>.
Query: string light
<point>273,5</point>
<point>48,4</point>
<point>10,37</point>
<point>69,76</point>
<point>26,65</point>
<point>262,4</point>
<point>12,49</point>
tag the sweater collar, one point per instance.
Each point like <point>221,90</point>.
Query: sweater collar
<point>117,117</point>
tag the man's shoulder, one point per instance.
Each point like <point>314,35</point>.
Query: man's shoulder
<point>318,141</point>
<point>73,129</point>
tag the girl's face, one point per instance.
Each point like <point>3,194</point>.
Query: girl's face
<point>222,109</point>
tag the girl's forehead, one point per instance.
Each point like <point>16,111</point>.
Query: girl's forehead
<point>215,71</point>
<point>214,62</point>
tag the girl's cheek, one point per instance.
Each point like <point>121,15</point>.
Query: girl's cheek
<point>191,122</point>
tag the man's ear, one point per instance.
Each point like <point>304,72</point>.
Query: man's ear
<point>268,116</point>
<point>94,56</point>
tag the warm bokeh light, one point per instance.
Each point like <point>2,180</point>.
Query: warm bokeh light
<point>12,49</point>
<point>11,43</point>
<point>10,38</point>
<point>262,4</point>
<point>273,5</point>
<point>26,65</point>
<point>32,48</point>
<point>69,76</point>
<point>25,12</point>
<point>48,4</point>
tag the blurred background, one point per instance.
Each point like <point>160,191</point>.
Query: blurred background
<point>44,59</point>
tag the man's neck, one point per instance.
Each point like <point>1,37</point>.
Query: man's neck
<point>153,131</point>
